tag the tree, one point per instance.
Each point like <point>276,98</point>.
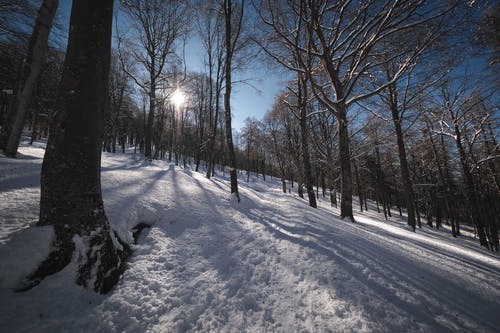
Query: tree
<point>488,31</point>
<point>117,93</point>
<point>16,17</point>
<point>71,198</point>
<point>156,25</point>
<point>298,106</point>
<point>30,70</point>
<point>342,41</point>
<point>277,142</point>
<point>232,34</point>
<point>460,115</point>
<point>211,30</point>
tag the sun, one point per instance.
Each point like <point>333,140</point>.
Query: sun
<point>178,98</point>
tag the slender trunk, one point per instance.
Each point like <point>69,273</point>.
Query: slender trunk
<point>31,69</point>
<point>211,141</point>
<point>264,167</point>
<point>492,148</point>
<point>248,161</point>
<point>323,184</point>
<point>345,167</point>
<point>358,184</point>
<point>469,188</point>
<point>405,173</point>
<point>333,198</point>
<point>444,184</point>
<point>149,126</point>
<point>227,99</point>
<point>34,126</point>
<point>300,189</point>
<point>305,156</point>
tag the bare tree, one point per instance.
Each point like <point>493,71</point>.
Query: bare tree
<point>211,30</point>
<point>460,118</point>
<point>342,43</point>
<point>232,34</point>
<point>30,70</point>
<point>156,25</point>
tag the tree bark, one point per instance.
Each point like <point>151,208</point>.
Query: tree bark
<point>302,97</point>
<point>345,167</point>
<point>71,198</point>
<point>405,173</point>
<point>30,71</point>
<point>151,117</point>
<point>469,188</point>
<point>227,98</point>
<point>358,184</point>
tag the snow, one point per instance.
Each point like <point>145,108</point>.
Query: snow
<point>27,249</point>
<point>267,264</point>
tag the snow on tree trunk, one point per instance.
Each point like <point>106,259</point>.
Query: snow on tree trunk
<point>71,198</point>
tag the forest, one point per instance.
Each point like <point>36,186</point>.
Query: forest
<point>386,107</point>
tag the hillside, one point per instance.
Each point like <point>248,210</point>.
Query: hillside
<point>268,264</point>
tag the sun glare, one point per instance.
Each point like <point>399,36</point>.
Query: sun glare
<point>178,98</point>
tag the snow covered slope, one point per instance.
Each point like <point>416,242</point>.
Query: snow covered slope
<point>268,264</point>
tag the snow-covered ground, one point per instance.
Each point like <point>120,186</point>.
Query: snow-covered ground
<point>268,264</point>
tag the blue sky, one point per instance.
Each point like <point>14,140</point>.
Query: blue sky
<point>246,101</point>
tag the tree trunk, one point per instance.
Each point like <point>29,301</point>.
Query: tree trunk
<point>305,156</point>
<point>30,71</point>
<point>34,126</point>
<point>71,198</point>
<point>333,198</point>
<point>212,139</point>
<point>444,184</point>
<point>300,189</point>
<point>345,167</point>
<point>358,184</point>
<point>248,160</point>
<point>227,99</point>
<point>469,189</point>
<point>151,117</point>
<point>405,173</point>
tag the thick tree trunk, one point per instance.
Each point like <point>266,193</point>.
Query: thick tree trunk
<point>405,173</point>
<point>71,199</point>
<point>345,167</point>
<point>30,71</point>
